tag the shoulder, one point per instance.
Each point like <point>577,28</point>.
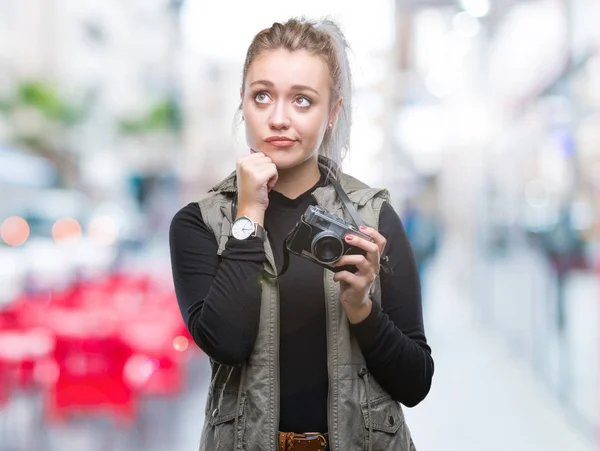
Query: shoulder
<point>215,198</point>
<point>350,182</point>
<point>188,217</point>
<point>391,225</point>
<point>360,192</point>
<point>387,215</point>
<point>189,212</point>
<point>188,225</point>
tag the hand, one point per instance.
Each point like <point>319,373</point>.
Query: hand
<point>256,175</point>
<point>354,288</point>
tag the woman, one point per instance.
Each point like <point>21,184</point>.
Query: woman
<point>308,358</point>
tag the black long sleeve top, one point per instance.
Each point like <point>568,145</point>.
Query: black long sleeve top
<point>220,297</point>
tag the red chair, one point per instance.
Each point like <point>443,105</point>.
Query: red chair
<point>157,366</point>
<point>4,390</point>
<point>90,359</point>
<point>21,350</point>
<point>166,304</point>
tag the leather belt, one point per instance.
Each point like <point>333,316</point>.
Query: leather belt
<point>309,441</point>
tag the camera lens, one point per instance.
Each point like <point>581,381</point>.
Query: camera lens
<point>327,247</point>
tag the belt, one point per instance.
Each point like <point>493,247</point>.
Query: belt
<point>309,441</point>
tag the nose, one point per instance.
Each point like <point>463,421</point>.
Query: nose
<point>279,118</point>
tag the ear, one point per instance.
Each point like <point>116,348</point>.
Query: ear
<point>336,110</point>
<point>241,93</point>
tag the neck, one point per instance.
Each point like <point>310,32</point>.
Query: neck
<point>299,179</point>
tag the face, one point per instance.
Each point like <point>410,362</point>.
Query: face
<point>287,105</point>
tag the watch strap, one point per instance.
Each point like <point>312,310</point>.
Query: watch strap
<point>259,231</point>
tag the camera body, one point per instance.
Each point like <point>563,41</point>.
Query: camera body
<point>319,236</point>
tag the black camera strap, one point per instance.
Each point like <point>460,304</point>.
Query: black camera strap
<point>347,203</point>
<point>286,255</point>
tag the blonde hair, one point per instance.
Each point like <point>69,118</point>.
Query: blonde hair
<point>323,38</point>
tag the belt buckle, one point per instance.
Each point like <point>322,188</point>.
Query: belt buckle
<point>321,437</point>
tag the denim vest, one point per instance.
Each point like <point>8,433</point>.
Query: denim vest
<point>242,408</point>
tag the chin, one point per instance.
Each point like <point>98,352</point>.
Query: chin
<point>286,160</point>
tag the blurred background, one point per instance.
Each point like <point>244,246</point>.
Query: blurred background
<point>482,118</point>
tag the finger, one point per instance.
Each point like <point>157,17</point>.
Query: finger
<point>264,160</point>
<point>261,167</point>
<point>264,163</point>
<point>272,181</point>
<point>363,265</point>
<point>267,172</point>
<point>254,169</point>
<point>256,155</point>
<point>269,177</point>
<point>377,237</point>
<point>354,281</point>
<point>253,154</point>
<point>362,243</point>
<point>256,151</point>
<point>248,161</point>
<point>351,279</point>
<point>371,248</point>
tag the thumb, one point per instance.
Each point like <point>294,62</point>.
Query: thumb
<point>272,181</point>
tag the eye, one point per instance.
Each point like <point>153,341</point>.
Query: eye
<point>303,101</point>
<point>261,97</point>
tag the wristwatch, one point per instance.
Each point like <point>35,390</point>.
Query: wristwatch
<point>244,228</point>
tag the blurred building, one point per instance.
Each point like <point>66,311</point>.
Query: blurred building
<point>117,62</point>
<point>211,135</point>
<point>498,101</point>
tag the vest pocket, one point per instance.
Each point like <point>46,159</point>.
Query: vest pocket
<point>220,421</point>
<point>386,419</point>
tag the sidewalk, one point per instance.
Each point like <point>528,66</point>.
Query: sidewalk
<point>482,398</point>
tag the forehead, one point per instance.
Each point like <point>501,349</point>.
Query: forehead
<point>285,69</point>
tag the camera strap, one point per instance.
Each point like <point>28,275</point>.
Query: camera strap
<point>286,255</point>
<point>347,203</point>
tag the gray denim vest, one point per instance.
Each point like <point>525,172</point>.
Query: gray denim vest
<point>242,408</point>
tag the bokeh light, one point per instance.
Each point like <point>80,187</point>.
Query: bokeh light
<point>103,231</point>
<point>66,229</point>
<point>14,231</point>
<point>181,343</point>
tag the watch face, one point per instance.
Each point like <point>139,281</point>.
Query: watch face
<point>242,228</point>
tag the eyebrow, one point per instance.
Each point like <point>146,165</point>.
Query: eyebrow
<point>270,84</point>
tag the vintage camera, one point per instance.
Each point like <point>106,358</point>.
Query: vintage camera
<point>319,236</point>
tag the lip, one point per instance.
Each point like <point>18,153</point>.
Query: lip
<point>280,141</point>
<point>279,138</point>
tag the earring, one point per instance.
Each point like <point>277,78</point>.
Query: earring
<point>330,125</point>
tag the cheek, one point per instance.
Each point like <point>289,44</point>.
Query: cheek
<point>312,128</point>
<point>251,124</point>
<point>311,125</point>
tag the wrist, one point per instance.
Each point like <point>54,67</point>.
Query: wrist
<point>255,214</point>
<point>359,313</point>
